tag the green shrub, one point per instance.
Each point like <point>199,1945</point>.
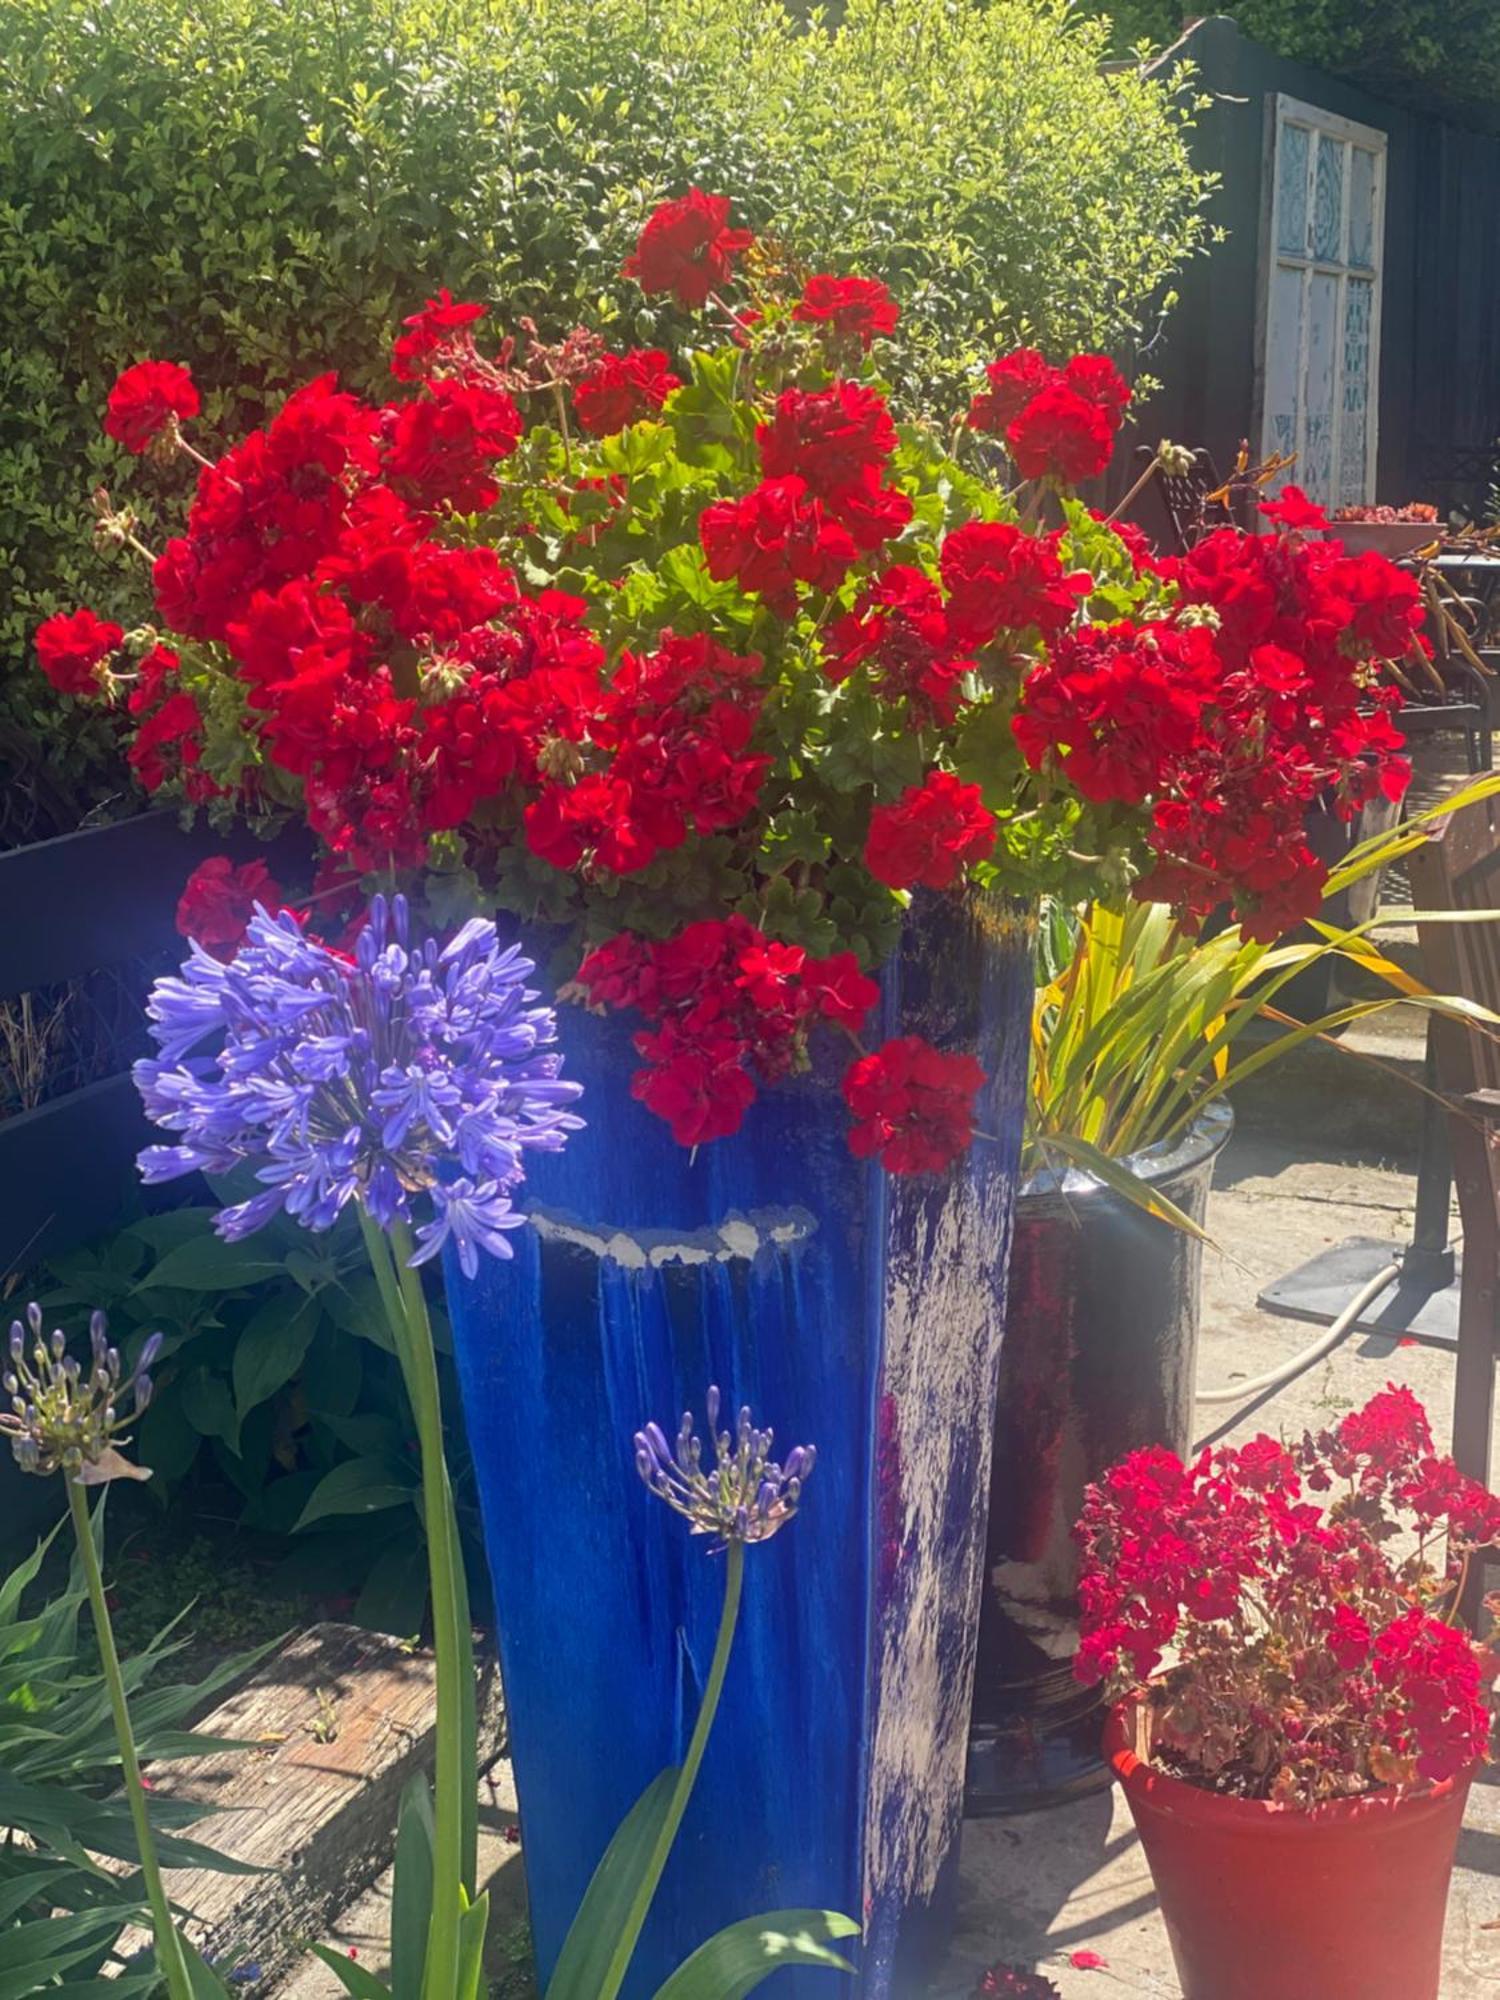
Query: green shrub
<point>260,190</point>
<point>276,1392</point>
<point>1429,50</point>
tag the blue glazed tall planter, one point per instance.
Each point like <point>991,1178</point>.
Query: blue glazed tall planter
<point>854,1311</point>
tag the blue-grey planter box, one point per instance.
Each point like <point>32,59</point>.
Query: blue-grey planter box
<point>855,1311</point>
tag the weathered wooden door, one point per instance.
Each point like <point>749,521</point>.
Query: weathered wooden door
<point>1319,333</point>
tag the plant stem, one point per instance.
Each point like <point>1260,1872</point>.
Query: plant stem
<point>456,1779</point>
<point>682,1791</point>
<point>169,1952</point>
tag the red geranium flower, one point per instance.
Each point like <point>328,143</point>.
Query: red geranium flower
<point>1061,433</point>
<point>930,835</point>
<point>1014,379</point>
<point>1292,509</point>
<point>914,1105</point>
<point>703,1093</point>
<point>898,631</point>
<point>219,900</point>
<point>445,442</point>
<point>774,538</point>
<point>1096,378</point>
<point>145,399</point>
<point>830,437</point>
<point>861,307</point>
<point>687,248</point>
<point>621,389</point>
<point>999,578</point>
<point>72,646</point>
<point>438,325</point>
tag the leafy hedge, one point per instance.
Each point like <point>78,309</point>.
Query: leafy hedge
<point>1429,50</point>
<point>258,190</point>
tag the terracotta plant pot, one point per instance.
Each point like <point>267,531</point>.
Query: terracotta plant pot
<point>1394,539</point>
<point>1270,1902</point>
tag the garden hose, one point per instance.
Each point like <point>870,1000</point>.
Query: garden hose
<point>1324,1344</point>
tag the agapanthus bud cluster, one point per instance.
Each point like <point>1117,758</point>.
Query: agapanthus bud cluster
<point>742,1495</point>
<point>70,1416</point>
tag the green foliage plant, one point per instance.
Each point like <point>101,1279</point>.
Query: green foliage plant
<point>1443,56</point>
<point>1138,1026</point>
<point>262,191</point>
<point>68,1733</point>
<point>278,1379</point>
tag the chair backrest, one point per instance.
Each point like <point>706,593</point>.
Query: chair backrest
<point>1185,497</point>
<point>1457,869</point>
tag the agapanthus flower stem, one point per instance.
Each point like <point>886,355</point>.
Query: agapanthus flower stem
<point>682,1791</point>
<point>169,1954</point>
<point>456,1778</point>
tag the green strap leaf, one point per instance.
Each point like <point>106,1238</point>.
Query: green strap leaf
<point>736,1960</point>
<point>1122,1181</point>
<point>411,1900</point>
<point>32,1954</point>
<point>206,1983</point>
<point>471,1929</point>
<point>353,1978</point>
<point>594,1930</point>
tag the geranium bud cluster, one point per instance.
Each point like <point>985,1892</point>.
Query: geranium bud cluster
<point>68,1416</point>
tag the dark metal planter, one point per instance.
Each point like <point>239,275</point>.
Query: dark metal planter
<point>1099,1355</point>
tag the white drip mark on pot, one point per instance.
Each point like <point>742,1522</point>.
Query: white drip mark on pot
<point>738,1238</point>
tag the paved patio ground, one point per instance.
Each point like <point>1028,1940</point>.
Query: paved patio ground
<point>1037,1888</point>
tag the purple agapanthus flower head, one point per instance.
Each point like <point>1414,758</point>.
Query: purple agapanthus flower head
<point>412,1080</point>
<point>744,1496</point>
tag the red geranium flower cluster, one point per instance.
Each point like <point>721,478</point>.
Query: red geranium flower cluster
<point>674,731</point>
<point>932,833</point>
<point>913,1105</point>
<point>74,647</point>
<point>861,308</point>
<point>1239,730</point>
<point>1057,423</point>
<point>1000,579</point>
<point>620,389</point>
<point>219,900</point>
<point>167,742</point>
<point>724,1001</point>
<point>822,503</point>
<point>899,631</point>
<point>146,400</point>
<point>1311,1658</point>
<point>770,658</point>
<point>687,248</point>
